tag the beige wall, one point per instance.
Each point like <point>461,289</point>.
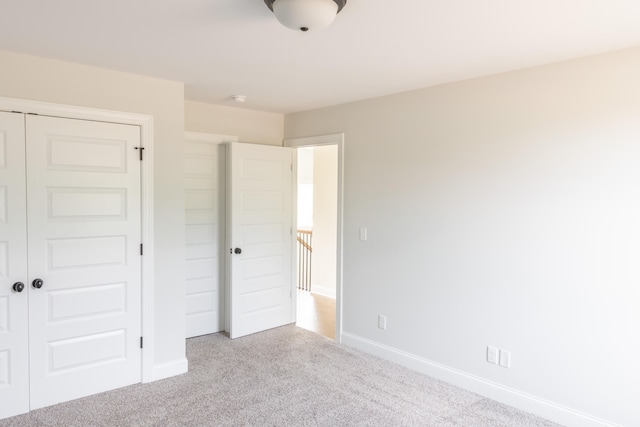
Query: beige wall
<point>33,78</point>
<point>249,126</point>
<point>501,211</point>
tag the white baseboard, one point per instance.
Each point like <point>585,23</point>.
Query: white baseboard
<point>324,291</point>
<point>170,369</point>
<point>509,396</point>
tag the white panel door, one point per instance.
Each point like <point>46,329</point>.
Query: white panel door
<point>259,201</point>
<point>14,322</point>
<point>83,210</point>
<point>203,184</point>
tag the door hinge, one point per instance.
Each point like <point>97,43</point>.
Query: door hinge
<point>140,149</point>
<point>141,342</point>
<point>141,249</point>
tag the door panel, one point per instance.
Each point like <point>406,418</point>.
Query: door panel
<point>14,323</point>
<point>203,169</point>
<point>84,235</point>
<point>260,221</point>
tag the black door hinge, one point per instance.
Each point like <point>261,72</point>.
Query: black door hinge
<point>140,342</point>
<point>141,149</point>
<point>141,249</point>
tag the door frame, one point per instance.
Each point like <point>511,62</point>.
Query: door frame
<point>315,141</point>
<point>145,122</point>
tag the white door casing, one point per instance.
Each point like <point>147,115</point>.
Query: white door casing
<point>150,370</point>
<point>14,322</point>
<point>83,186</point>
<point>259,225</point>
<point>332,139</point>
<point>204,184</point>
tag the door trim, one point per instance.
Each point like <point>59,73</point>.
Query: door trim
<point>314,141</point>
<point>146,187</point>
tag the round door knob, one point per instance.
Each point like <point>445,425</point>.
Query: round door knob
<point>18,287</point>
<point>238,251</point>
<point>37,283</point>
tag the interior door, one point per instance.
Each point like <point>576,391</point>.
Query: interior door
<point>14,322</point>
<point>203,184</point>
<point>83,209</point>
<point>259,222</point>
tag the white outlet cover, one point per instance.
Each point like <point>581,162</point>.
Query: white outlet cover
<point>492,355</point>
<point>382,322</point>
<point>363,233</point>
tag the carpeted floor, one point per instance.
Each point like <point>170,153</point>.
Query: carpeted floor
<point>283,377</point>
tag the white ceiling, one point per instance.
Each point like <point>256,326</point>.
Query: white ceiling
<point>219,48</point>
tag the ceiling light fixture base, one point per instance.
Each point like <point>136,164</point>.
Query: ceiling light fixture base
<point>305,15</point>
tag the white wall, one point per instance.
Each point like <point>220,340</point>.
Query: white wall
<point>255,127</point>
<point>325,208</point>
<point>501,211</point>
<point>39,79</point>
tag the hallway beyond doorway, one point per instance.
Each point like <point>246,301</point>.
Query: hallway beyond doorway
<point>317,313</point>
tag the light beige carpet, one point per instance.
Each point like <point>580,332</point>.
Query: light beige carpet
<point>283,377</point>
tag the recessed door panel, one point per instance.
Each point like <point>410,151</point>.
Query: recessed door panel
<point>86,352</point>
<point>4,259</point>
<point>5,369</point>
<point>4,315</point>
<point>265,201</point>
<point>4,204</point>
<point>87,204</point>
<point>82,303</point>
<point>201,200</point>
<point>84,152</point>
<point>86,253</point>
<point>203,302</point>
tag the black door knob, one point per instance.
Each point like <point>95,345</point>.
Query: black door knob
<point>18,287</point>
<point>37,283</point>
<point>238,251</point>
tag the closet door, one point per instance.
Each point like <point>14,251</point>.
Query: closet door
<point>83,186</point>
<point>204,158</point>
<point>14,326</point>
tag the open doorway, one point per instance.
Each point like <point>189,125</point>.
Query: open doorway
<point>317,238</point>
<point>336,140</point>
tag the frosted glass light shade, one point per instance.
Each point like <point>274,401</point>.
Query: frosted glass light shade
<point>305,15</point>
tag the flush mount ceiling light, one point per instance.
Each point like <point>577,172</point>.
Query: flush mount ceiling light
<point>305,15</point>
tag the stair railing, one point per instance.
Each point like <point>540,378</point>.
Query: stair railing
<point>305,250</point>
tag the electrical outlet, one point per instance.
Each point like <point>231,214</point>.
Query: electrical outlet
<point>505,358</point>
<point>382,322</point>
<point>363,233</point>
<point>492,355</point>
